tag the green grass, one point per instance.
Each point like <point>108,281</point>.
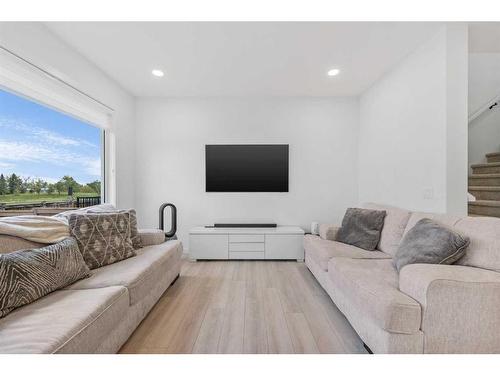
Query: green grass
<point>43,197</point>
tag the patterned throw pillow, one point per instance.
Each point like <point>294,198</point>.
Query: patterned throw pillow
<point>109,208</point>
<point>28,275</point>
<point>103,238</point>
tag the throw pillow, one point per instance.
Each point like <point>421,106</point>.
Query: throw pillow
<point>103,238</point>
<point>361,228</point>
<point>28,275</point>
<point>430,242</point>
<point>107,208</point>
<point>134,232</point>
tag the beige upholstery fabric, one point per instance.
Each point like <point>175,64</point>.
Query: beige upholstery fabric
<point>323,250</point>
<point>394,226</point>
<point>484,247</point>
<point>460,306</point>
<point>163,278</point>
<point>328,231</point>
<point>151,236</point>
<point>378,339</point>
<point>9,244</point>
<point>371,286</point>
<point>64,321</point>
<point>137,274</point>
<point>446,220</point>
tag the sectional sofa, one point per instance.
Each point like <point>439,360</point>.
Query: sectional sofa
<point>426,308</point>
<point>96,314</point>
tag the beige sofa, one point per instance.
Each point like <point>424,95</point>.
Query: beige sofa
<point>425,308</point>
<point>97,314</point>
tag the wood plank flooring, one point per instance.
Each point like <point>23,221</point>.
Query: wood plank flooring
<point>244,307</point>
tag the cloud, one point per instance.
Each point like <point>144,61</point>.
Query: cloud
<point>40,153</point>
<point>37,145</point>
<point>6,165</point>
<point>43,135</point>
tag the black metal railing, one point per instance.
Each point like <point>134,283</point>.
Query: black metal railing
<point>87,201</point>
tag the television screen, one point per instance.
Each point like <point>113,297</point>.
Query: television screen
<point>246,168</point>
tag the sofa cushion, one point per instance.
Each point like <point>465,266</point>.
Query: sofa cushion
<point>151,236</point>
<point>28,275</point>
<point>443,219</point>
<point>103,238</point>
<point>361,228</point>
<point>430,242</point>
<point>394,226</point>
<point>134,273</point>
<point>484,247</point>
<point>66,321</point>
<point>371,286</point>
<point>321,251</point>
<point>9,244</point>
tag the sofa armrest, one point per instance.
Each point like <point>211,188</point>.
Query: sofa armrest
<point>460,306</point>
<point>328,231</point>
<point>151,237</point>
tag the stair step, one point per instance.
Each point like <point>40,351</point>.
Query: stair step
<point>486,179</point>
<point>488,193</point>
<point>485,208</point>
<point>493,157</point>
<point>483,168</point>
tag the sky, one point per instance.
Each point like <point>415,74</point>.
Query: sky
<point>39,142</point>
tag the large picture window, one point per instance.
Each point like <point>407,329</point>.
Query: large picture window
<point>47,158</point>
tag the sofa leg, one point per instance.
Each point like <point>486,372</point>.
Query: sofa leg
<point>367,349</point>
<point>173,282</point>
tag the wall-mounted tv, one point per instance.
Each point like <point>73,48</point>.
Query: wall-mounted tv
<point>246,168</point>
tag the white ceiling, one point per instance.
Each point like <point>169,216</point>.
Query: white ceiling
<point>245,58</point>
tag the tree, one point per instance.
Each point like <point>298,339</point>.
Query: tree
<point>51,188</point>
<point>59,186</point>
<point>3,185</point>
<point>96,186</point>
<point>24,184</point>
<point>14,183</point>
<point>68,182</point>
<point>38,185</point>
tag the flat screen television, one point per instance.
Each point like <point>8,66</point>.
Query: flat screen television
<point>246,168</point>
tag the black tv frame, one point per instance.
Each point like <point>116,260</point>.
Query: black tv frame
<point>286,180</point>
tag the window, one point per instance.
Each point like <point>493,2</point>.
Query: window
<point>47,158</point>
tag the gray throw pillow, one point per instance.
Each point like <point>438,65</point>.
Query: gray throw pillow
<point>109,208</point>
<point>28,275</point>
<point>430,242</point>
<point>103,238</point>
<point>361,228</point>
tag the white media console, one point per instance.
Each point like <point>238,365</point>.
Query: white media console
<point>282,242</point>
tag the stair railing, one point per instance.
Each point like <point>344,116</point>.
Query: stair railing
<point>490,104</point>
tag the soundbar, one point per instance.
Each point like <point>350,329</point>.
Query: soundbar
<point>245,225</point>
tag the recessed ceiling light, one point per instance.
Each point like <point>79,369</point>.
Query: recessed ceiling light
<point>333,72</point>
<point>157,73</point>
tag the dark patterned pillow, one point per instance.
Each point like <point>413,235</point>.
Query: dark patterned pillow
<point>28,275</point>
<point>103,238</point>
<point>108,208</point>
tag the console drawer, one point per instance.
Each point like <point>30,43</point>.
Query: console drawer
<point>246,238</point>
<point>246,247</point>
<point>247,255</point>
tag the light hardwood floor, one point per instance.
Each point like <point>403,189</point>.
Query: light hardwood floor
<point>244,307</point>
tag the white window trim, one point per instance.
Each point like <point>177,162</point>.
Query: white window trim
<point>23,78</point>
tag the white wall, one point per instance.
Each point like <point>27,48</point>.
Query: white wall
<point>322,134</point>
<point>404,132</point>
<point>484,84</point>
<point>36,43</point>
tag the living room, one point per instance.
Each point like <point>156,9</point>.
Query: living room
<point>236,187</point>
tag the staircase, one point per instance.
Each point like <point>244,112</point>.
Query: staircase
<point>484,184</point>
